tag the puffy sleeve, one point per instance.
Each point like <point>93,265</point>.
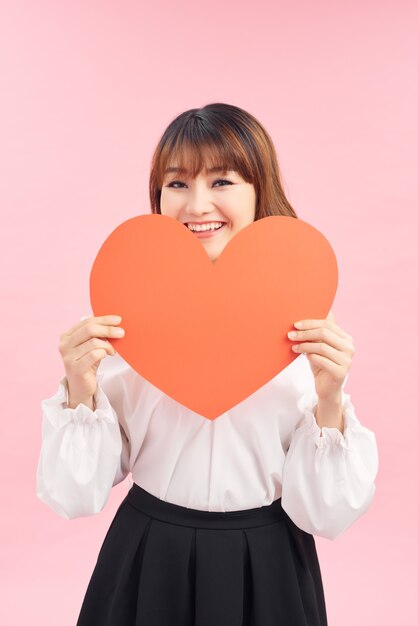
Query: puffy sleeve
<point>328,481</point>
<point>83,452</point>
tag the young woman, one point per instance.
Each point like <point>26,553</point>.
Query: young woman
<point>217,528</point>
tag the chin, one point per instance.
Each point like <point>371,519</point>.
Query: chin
<point>213,257</point>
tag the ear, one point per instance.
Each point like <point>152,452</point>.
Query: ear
<point>331,317</point>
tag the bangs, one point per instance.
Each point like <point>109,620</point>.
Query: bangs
<point>194,150</point>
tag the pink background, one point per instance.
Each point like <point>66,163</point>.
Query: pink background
<point>86,90</point>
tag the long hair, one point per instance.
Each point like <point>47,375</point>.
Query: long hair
<point>222,135</point>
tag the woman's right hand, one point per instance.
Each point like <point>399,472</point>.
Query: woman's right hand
<point>82,347</point>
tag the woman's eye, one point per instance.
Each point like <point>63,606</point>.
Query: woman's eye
<point>178,182</point>
<point>223,180</point>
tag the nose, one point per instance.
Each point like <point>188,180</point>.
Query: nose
<point>199,200</point>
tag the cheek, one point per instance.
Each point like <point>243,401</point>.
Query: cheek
<point>234,216</point>
<point>240,220</point>
<point>169,205</point>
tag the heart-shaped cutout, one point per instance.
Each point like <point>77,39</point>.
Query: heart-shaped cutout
<point>210,334</point>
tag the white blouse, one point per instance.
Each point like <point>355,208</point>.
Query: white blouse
<point>266,447</point>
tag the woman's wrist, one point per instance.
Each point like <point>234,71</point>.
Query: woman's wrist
<point>329,412</point>
<point>72,404</point>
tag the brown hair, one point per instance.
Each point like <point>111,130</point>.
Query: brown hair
<point>230,138</point>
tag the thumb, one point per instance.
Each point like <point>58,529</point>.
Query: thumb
<point>331,316</point>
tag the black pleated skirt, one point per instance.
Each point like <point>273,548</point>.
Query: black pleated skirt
<point>166,565</point>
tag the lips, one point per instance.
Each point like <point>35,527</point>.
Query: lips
<point>203,234</point>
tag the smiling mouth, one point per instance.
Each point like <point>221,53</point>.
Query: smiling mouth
<point>202,232</point>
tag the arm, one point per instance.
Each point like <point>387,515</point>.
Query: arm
<point>83,452</point>
<point>328,480</point>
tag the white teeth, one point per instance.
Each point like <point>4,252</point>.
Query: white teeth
<point>210,226</point>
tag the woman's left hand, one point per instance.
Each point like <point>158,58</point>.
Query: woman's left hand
<point>329,350</point>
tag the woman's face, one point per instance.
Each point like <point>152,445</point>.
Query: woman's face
<point>215,205</point>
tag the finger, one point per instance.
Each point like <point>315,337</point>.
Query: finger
<point>313,323</point>
<point>90,359</point>
<point>322,349</point>
<point>331,317</point>
<point>332,323</point>
<point>83,335</point>
<point>110,320</point>
<point>75,359</point>
<point>89,331</point>
<point>93,344</point>
<point>337,372</point>
<point>104,321</point>
<point>321,334</point>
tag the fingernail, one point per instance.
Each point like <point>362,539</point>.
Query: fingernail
<point>116,319</point>
<point>298,324</point>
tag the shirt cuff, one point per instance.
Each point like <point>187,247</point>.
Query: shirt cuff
<point>58,413</point>
<point>330,435</point>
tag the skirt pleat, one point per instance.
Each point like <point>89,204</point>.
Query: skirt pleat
<point>161,564</point>
<point>165,584</point>
<point>219,577</point>
<point>282,587</point>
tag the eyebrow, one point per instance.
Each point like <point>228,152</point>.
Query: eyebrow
<point>184,171</point>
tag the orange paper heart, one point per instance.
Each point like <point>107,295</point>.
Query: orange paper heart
<point>210,334</point>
